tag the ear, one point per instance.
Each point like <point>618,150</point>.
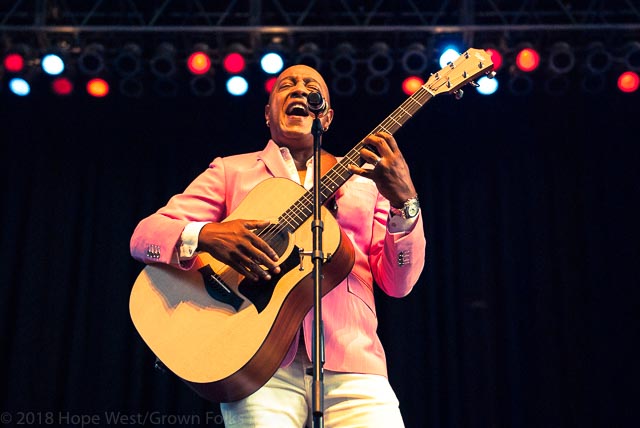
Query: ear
<point>267,108</point>
<point>327,118</point>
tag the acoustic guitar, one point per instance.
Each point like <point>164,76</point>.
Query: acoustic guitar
<point>225,336</point>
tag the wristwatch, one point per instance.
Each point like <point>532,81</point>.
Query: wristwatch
<point>410,208</point>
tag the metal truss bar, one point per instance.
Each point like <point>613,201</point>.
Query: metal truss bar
<point>92,12</point>
<point>433,29</point>
<point>11,11</point>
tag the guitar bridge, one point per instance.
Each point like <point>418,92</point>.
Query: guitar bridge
<point>218,290</point>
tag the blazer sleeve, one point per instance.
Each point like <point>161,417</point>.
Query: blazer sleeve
<point>157,237</point>
<point>396,259</point>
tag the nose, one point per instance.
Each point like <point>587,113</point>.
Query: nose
<point>300,90</point>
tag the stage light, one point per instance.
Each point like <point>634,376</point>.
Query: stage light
<point>98,87</point>
<point>52,64</point>
<point>131,87</point>
<point>62,86</point>
<point>557,85</point>
<point>91,60</point>
<point>163,62</point>
<point>17,58</point>
<point>411,84</point>
<point>128,62</point>
<point>487,86</point>
<point>527,59</point>
<point>561,58</point>
<point>202,86</point>
<point>414,59</point>
<point>376,84</point>
<point>344,85</point>
<point>597,59</point>
<point>496,58</point>
<point>450,54</point>
<point>14,62</point>
<point>379,61</point>
<point>237,85</point>
<point>628,82</point>
<point>165,87</point>
<point>343,61</point>
<point>631,57</point>
<point>271,63</point>
<point>234,63</point>
<point>309,54</point>
<point>520,84</point>
<point>19,86</point>
<point>199,63</point>
<point>235,58</point>
<point>269,84</point>
<point>593,83</point>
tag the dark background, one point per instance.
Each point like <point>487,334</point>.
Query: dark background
<point>525,315</point>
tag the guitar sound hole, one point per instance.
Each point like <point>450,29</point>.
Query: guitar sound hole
<point>277,239</point>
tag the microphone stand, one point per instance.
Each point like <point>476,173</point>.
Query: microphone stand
<point>318,259</point>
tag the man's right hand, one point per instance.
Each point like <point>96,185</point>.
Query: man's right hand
<point>235,244</point>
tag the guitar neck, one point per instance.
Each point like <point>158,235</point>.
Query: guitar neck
<point>302,209</point>
<point>337,175</point>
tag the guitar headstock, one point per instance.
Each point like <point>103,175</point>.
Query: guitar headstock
<point>467,67</point>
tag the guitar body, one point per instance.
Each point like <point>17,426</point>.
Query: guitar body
<point>226,345</point>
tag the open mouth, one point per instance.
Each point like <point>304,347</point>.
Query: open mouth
<point>297,109</point>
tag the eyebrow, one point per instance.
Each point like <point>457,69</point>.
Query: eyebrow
<point>306,80</point>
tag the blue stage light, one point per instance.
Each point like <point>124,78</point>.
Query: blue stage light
<point>237,85</point>
<point>272,63</point>
<point>19,86</point>
<point>487,86</point>
<point>52,64</point>
<point>450,54</point>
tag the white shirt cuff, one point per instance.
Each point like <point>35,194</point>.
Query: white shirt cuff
<point>189,238</point>
<point>398,224</point>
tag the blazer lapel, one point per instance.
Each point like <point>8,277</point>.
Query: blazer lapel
<point>272,159</point>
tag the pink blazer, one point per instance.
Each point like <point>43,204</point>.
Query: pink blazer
<point>393,260</point>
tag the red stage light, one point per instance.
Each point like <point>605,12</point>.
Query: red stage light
<point>269,84</point>
<point>97,87</point>
<point>496,58</point>
<point>62,86</point>
<point>14,63</point>
<point>528,59</point>
<point>628,81</point>
<point>199,63</point>
<point>411,84</point>
<point>234,63</point>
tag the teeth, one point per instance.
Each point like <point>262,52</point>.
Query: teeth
<point>297,109</point>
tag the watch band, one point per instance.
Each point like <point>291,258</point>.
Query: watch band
<point>410,208</point>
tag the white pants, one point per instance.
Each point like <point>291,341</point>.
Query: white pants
<point>285,401</point>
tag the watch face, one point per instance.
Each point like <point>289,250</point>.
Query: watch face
<point>412,209</point>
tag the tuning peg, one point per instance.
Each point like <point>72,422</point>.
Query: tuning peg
<point>491,75</point>
<point>458,94</point>
<point>474,84</point>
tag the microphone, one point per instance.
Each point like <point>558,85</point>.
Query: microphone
<point>316,103</point>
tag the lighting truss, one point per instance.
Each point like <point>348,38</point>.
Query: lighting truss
<point>313,29</point>
<point>279,16</point>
